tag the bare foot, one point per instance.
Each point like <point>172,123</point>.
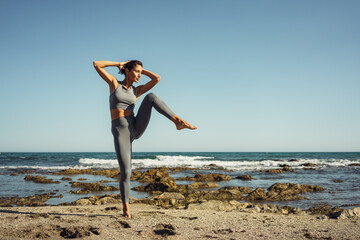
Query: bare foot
<point>126,210</point>
<point>181,124</point>
<point>126,215</point>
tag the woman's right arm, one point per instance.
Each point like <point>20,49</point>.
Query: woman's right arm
<point>110,79</point>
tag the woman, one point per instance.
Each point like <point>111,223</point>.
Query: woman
<point>124,125</point>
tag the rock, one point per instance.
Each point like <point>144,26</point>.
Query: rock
<point>169,200</point>
<point>165,200</point>
<point>107,200</point>
<point>289,191</point>
<point>293,160</point>
<point>354,165</point>
<point>152,175</point>
<point>199,185</point>
<point>225,193</point>
<point>245,177</point>
<point>164,230</point>
<point>113,173</point>
<point>343,214</point>
<point>98,200</point>
<point>31,201</point>
<point>337,181</point>
<point>17,172</point>
<point>82,202</point>
<point>282,192</point>
<point>66,179</point>
<point>91,187</point>
<point>308,164</point>
<point>178,169</point>
<point>169,186</point>
<point>272,171</point>
<point>324,210</point>
<point>218,205</point>
<point>257,194</point>
<point>287,169</point>
<point>71,171</point>
<point>77,232</point>
<point>171,195</point>
<point>242,190</point>
<point>39,179</point>
<point>308,168</point>
<point>292,188</point>
<point>211,177</point>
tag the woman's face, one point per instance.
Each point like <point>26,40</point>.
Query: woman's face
<point>135,73</point>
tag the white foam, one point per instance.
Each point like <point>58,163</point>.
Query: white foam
<point>97,163</point>
<point>201,162</point>
<point>37,167</point>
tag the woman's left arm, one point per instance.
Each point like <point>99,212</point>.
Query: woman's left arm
<point>149,85</point>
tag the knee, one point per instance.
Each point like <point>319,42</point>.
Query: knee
<point>126,174</point>
<point>151,97</point>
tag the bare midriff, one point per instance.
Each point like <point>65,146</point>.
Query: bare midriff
<point>118,113</point>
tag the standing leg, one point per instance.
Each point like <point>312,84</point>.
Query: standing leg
<point>122,142</point>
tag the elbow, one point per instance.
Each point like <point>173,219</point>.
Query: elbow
<point>158,78</point>
<point>95,64</point>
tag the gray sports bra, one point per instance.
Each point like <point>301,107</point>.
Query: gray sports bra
<point>123,98</point>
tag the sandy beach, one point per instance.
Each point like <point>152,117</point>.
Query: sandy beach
<point>152,222</point>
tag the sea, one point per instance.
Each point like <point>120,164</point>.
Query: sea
<point>338,172</point>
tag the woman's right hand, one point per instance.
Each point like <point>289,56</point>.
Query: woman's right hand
<point>121,65</point>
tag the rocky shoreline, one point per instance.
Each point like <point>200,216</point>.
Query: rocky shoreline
<point>202,193</point>
<point>170,207</point>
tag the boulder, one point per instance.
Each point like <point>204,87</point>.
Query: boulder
<point>218,205</point>
<point>152,175</point>
<point>111,173</point>
<point>292,188</point>
<point>66,179</point>
<point>197,185</point>
<point>354,165</point>
<point>308,164</point>
<point>257,194</point>
<point>82,202</point>
<point>39,179</point>
<point>242,190</point>
<point>107,200</point>
<point>169,186</point>
<point>324,210</point>
<point>31,201</point>
<point>171,195</point>
<point>272,171</point>
<point>350,213</point>
<point>293,160</point>
<point>211,177</point>
<point>245,177</point>
<point>91,187</point>
<point>71,171</point>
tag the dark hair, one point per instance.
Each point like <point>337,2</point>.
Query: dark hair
<point>130,65</point>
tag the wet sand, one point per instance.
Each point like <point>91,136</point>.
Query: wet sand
<point>151,222</point>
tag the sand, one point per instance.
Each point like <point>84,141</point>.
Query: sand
<point>151,222</point>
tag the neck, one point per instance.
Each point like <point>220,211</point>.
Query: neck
<point>127,83</point>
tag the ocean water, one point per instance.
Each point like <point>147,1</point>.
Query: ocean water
<point>331,167</point>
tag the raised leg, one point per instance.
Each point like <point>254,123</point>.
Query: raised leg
<point>144,113</point>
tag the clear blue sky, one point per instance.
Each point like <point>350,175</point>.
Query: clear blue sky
<point>252,75</point>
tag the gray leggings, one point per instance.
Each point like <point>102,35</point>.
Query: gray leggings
<point>126,130</point>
